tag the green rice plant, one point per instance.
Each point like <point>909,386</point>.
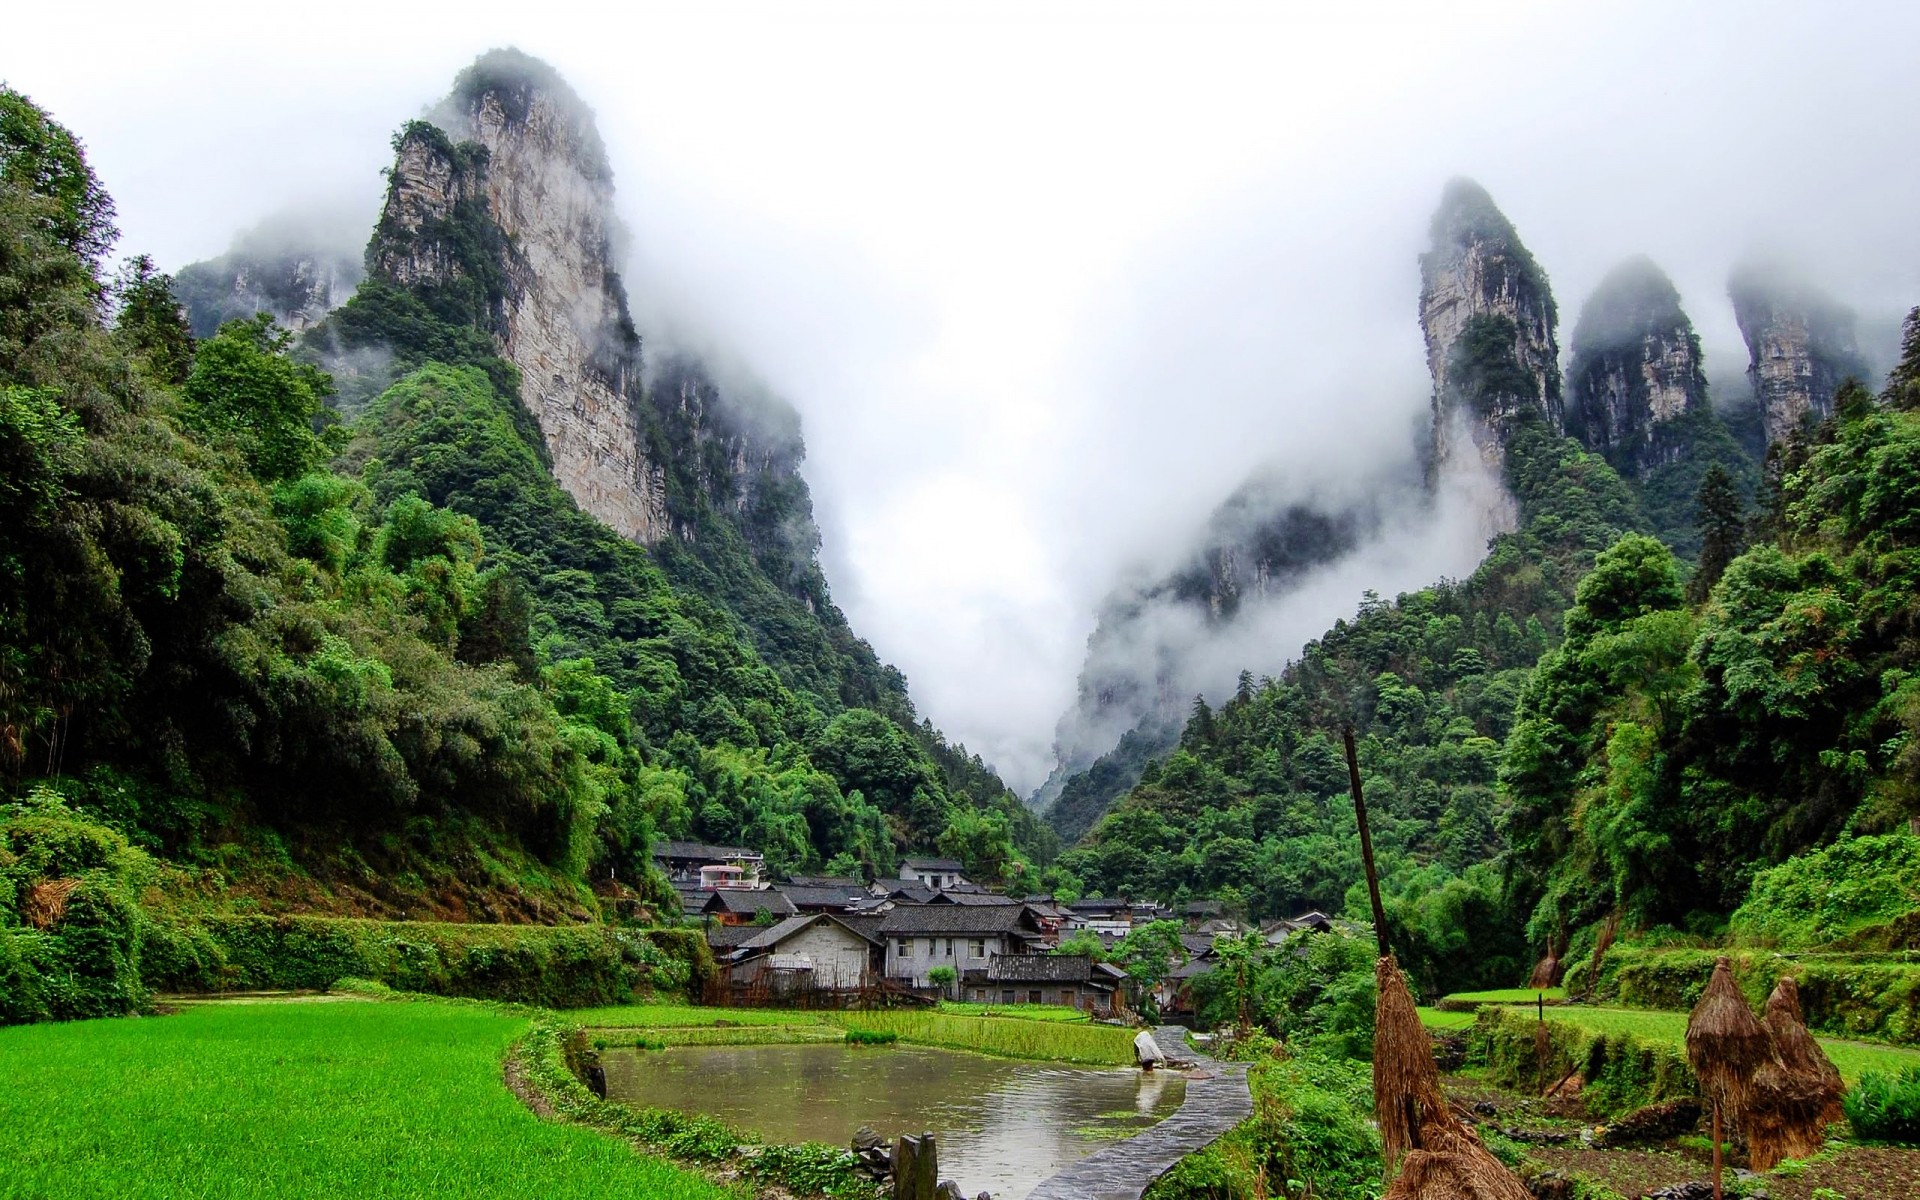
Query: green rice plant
<point>871,1037</point>
<point>1096,1045</point>
<point>747,1035</point>
<point>1023,1012</point>
<point>676,1016</point>
<point>323,1098</point>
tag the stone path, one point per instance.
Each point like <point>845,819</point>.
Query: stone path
<point>1217,1100</point>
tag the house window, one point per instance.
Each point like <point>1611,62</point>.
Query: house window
<point>1033,997</point>
<point>1006,996</point>
<point>977,948</point>
<point>903,947</point>
<point>949,947</point>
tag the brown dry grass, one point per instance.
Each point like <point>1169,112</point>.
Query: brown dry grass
<point>1725,1042</point>
<point>47,902</point>
<point>1437,1157</point>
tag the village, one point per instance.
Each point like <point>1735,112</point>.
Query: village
<point>932,934</point>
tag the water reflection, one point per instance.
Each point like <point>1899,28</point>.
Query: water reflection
<point>1003,1125</point>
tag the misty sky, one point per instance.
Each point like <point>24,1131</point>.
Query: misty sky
<point>1047,282</point>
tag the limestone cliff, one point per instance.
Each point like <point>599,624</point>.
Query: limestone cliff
<point>1636,368</point>
<point>1800,345</point>
<point>499,220</point>
<point>503,205</point>
<point>1488,316</point>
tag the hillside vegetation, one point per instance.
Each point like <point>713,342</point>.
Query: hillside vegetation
<point>258,657</point>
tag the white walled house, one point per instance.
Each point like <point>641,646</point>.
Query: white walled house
<point>920,937</point>
<point>814,951</point>
<point>935,873</point>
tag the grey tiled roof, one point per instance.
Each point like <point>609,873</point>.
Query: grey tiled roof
<point>1039,968</point>
<point>729,937</point>
<point>750,900</point>
<point>931,864</point>
<point>911,919</point>
<point>701,850</point>
<point>820,897</point>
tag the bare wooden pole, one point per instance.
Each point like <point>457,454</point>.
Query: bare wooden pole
<point>1716,1149</point>
<point>1366,841</point>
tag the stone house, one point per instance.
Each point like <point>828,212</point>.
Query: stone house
<point>920,937</point>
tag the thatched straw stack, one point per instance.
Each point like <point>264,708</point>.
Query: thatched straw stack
<point>1454,1166</point>
<point>1406,1084</point>
<point>1795,1094</point>
<point>1547,972</point>
<point>1438,1157</point>
<point>1725,1043</point>
<point>1795,1048</point>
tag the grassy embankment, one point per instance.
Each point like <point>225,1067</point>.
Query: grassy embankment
<point>297,1099</point>
<point>1669,1029</point>
<point>1011,1035</point>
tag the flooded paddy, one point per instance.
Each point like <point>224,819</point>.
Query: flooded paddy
<point>1003,1125</point>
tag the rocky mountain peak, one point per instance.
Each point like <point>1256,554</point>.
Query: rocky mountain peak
<point>1800,344</point>
<point>1488,315</point>
<point>1636,365</point>
<point>500,210</point>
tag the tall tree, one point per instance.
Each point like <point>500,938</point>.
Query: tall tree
<point>1722,523</point>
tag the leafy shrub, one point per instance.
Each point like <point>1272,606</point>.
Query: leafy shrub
<point>1309,1134</point>
<point>1850,890</point>
<point>558,966</point>
<point>1886,1108</point>
<point>1622,1071</point>
<point>71,929</point>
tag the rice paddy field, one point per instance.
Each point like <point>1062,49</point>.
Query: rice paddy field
<point>1049,1037</point>
<point>296,1099</point>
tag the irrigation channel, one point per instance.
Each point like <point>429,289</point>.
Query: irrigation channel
<point>1009,1127</point>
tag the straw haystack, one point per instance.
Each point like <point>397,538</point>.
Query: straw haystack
<point>1725,1042</point>
<point>1794,1095</point>
<point>1438,1158</point>
<point>1406,1084</point>
<point>1795,1048</point>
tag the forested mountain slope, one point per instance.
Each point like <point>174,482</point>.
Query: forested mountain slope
<point>1591,728</point>
<point>1682,732</point>
<point>387,663</point>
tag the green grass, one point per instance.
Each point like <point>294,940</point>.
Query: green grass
<point>680,1016</point>
<point>1433,1018</point>
<point>1507,996</point>
<point>1670,1028</point>
<point>1008,1035</point>
<point>1022,1012</point>
<point>279,1100</point>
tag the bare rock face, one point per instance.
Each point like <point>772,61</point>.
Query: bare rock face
<point>515,218</point>
<point>1800,345</point>
<point>1636,366</point>
<point>1488,316</point>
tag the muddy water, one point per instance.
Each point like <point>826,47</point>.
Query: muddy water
<point>1003,1125</point>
